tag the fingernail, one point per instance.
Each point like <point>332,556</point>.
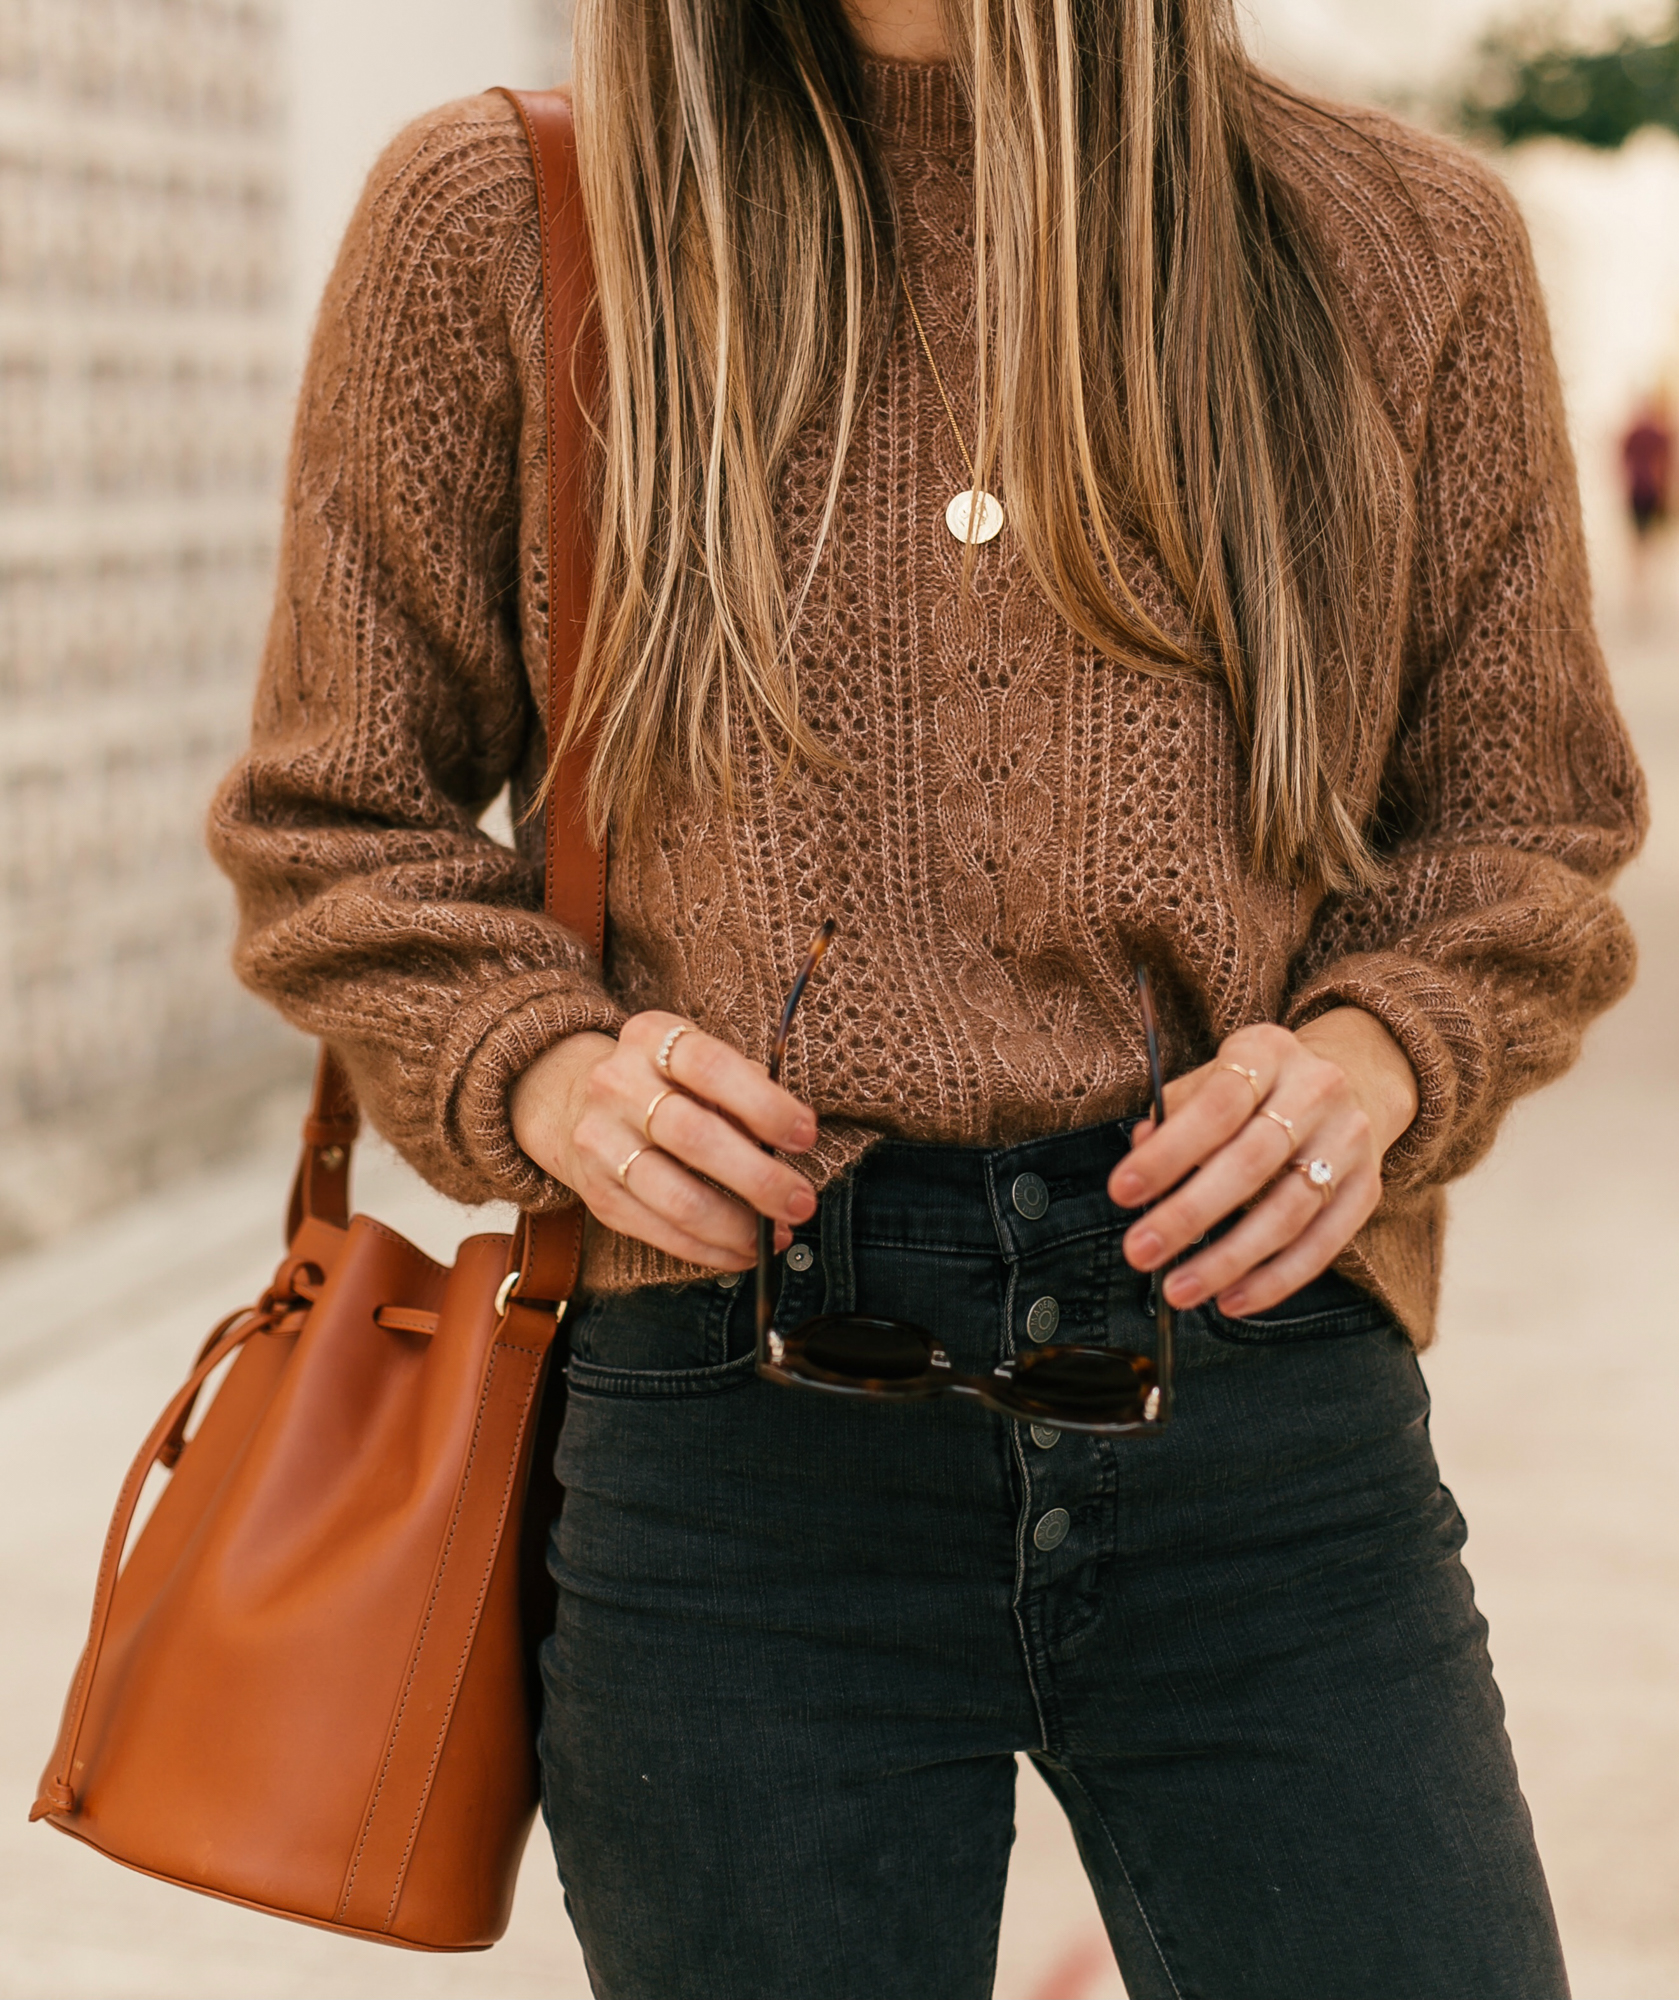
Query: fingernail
<point>1234,1303</point>
<point>1127,1187</point>
<point>804,1136</point>
<point>801,1204</point>
<point>1143,1246</point>
<point>1182,1290</point>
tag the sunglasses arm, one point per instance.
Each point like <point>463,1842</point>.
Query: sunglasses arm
<point>1163,1356</point>
<point>765,1299</point>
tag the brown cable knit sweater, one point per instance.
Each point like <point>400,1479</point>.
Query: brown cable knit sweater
<point>1017,818</point>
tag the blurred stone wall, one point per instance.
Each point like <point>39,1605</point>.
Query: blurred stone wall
<point>174,175</point>
<point>146,375</point>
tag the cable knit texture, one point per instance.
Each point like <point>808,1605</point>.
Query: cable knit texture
<point>1015,818</point>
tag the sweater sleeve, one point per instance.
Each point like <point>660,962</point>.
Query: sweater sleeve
<point>393,702</point>
<point>1511,795</point>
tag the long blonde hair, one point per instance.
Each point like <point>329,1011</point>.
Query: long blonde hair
<point>1162,353</point>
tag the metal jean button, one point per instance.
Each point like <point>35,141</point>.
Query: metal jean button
<point>1044,1438</point>
<point>1051,1530</point>
<point>800,1257</point>
<point>1043,1319</point>
<point>1030,1196</point>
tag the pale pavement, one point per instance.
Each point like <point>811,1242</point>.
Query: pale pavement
<point>1556,1389</point>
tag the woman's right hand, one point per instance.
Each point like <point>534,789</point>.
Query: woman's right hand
<point>580,1111</point>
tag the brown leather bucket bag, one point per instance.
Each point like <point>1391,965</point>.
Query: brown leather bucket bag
<point>308,1688</point>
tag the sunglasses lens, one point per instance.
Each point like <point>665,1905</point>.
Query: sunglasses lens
<point>1090,1385</point>
<point>865,1350</point>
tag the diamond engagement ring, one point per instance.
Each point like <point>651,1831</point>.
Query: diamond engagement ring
<point>1319,1174</point>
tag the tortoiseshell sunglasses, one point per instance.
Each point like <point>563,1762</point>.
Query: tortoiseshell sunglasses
<point>1103,1390</point>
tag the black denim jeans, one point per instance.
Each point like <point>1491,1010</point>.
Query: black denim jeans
<point>800,1638</point>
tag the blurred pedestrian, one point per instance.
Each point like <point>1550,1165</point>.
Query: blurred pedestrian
<point>1647,475</point>
<point>1061,500</point>
<point>1647,462</point>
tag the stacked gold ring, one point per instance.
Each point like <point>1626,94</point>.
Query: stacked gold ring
<point>662,1060</point>
<point>1250,1077</point>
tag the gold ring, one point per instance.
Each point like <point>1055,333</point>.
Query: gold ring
<point>1250,1077</point>
<point>625,1165</point>
<point>647,1116</point>
<point>662,1060</point>
<point>1277,1118</point>
<point>1319,1174</point>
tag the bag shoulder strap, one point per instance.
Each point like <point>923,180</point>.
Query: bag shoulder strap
<point>574,890</point>
<point>549,1248</point>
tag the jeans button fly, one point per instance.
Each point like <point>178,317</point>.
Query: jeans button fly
<point>1044,1438</point>
<point>1051,1530</point>
<point>1043,1319</point>
<point>1030,1196</point>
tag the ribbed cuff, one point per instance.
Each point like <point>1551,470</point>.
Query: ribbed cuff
<point>1442,1040</point>
<point>495,1039</point>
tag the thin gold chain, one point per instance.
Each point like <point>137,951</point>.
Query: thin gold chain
<point>938,383</point>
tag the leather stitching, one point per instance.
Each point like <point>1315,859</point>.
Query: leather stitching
<point>514,1462</point>
<point>418,1653</point>
<point>416,1659</point>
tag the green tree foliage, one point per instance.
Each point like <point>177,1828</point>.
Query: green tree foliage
<point>1597,96</point>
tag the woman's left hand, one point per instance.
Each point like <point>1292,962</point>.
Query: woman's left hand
<point>1339,1089</point>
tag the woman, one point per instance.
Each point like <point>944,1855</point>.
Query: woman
<point>1267,662</point>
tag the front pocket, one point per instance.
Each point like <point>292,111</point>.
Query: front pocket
<point>1327,1308</point>
<point>662,1341</point>
<point>659,1333</point>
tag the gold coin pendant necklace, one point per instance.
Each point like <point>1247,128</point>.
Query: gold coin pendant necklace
<point>974,516</point>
